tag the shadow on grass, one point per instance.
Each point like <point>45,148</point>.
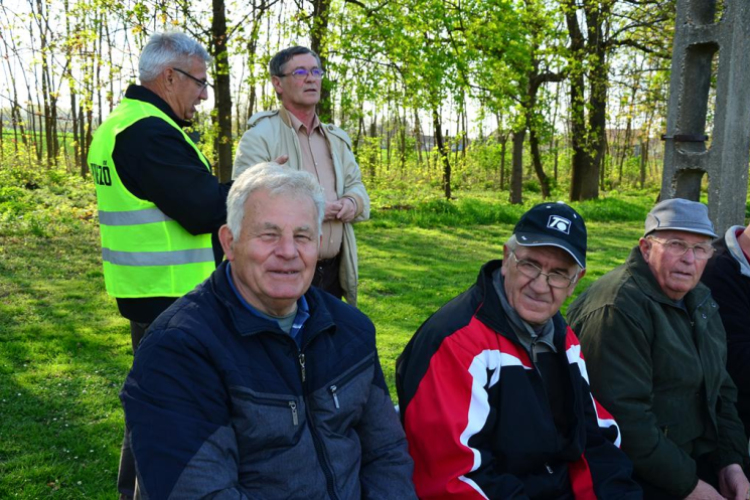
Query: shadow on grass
<point>64,353</point>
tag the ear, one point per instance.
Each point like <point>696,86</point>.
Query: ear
<point>169,77</point>
<point>645,246</point>
<point>227,239</point>
<point>506,260</point>
<point>276,82</point>
<point>572,288</point>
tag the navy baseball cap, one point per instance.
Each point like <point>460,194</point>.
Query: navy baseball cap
<point>553,224</point>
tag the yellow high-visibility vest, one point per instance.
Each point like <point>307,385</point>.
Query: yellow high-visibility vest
<point>145,253</point>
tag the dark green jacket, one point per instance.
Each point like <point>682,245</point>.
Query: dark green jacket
<point>660,370</point>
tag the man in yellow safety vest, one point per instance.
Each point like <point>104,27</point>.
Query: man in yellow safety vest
<point>159,203</point>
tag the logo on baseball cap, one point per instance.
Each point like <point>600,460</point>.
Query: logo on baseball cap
<point>553,224</point>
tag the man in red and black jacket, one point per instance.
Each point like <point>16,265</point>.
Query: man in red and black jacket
<point>493,389</point>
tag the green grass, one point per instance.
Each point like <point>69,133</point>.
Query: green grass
<point>65,351</point>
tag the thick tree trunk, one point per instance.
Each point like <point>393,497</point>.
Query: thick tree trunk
<point>586,138</point>
<point>222,91</point>
<point>596,13</point>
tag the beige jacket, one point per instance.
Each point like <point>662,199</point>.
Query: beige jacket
<point>271,135</point>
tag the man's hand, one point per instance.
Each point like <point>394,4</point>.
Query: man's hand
<point>348,210</point>
<point>704,491</point>
<point>282,159</point>
<point>733,483</point>
<point>343,209</point>
<point>332,209</point>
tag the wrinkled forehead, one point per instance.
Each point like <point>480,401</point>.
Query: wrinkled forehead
<point>306,61</point>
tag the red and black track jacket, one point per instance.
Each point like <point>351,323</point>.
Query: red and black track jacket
<point>478,420</point>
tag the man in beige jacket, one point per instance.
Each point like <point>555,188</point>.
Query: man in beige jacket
<point>295,136</point>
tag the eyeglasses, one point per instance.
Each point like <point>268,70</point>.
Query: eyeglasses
<point>202,83</point>
<point>302,73</point>
<point>678,248</point>
<point>532,271</point>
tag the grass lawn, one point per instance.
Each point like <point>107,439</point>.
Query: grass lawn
<point>64,349</point>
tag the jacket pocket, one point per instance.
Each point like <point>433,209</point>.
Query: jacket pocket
<point>339,403</point>
<point>265,421</point>
<point>679,417</point>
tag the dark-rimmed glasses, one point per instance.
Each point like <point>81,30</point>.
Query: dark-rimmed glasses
<point>678,248</point>
<point>532,271</point>
<point>302,73</point>
<point>201,83</point>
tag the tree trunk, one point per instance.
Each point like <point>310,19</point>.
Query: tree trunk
<point>376,146</point>
<point>321,13</point>
<point>586,141</point>
<point>402,143</point>
<point>443,152</point>
<point>222,92</point>
<point>516,173</point>
<point>644,161</point>
<point>554,148</point>
<point>536,158</point>
<point>596,13</point>
<point>82,144</point>
<point>418,136</point>
<point>503,149</point>
<point>46,97</point>
<point>360,131</point>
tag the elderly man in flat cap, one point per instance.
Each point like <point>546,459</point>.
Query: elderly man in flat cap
<point>656,351</point>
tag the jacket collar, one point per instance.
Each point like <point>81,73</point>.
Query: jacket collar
<point>646,282</point>
<point>490,311</point>
<point>286,119</point>
<point>143,94</point>
<point>246,323</point>
<point>284,115</point>
<point>733,247</point>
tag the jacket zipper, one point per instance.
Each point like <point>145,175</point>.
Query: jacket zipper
<point>293,407</point>
<point>335,397</point>
<point>275,402</point>
<point>302,365</point>
<point>364,364</point>
<point>317,443</point>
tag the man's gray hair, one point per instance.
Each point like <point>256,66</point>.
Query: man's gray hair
<point>164,50</point>
<point>512,243</point>
<point>275,66</point>
<point>275,180</point>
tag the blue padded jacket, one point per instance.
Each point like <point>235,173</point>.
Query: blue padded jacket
<point>223,404</point>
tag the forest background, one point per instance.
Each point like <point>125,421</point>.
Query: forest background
<point>462,113</point>
<point>558,97</point>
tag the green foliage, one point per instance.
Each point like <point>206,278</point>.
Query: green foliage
<point>614,209</point>
<point>43,202</point>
